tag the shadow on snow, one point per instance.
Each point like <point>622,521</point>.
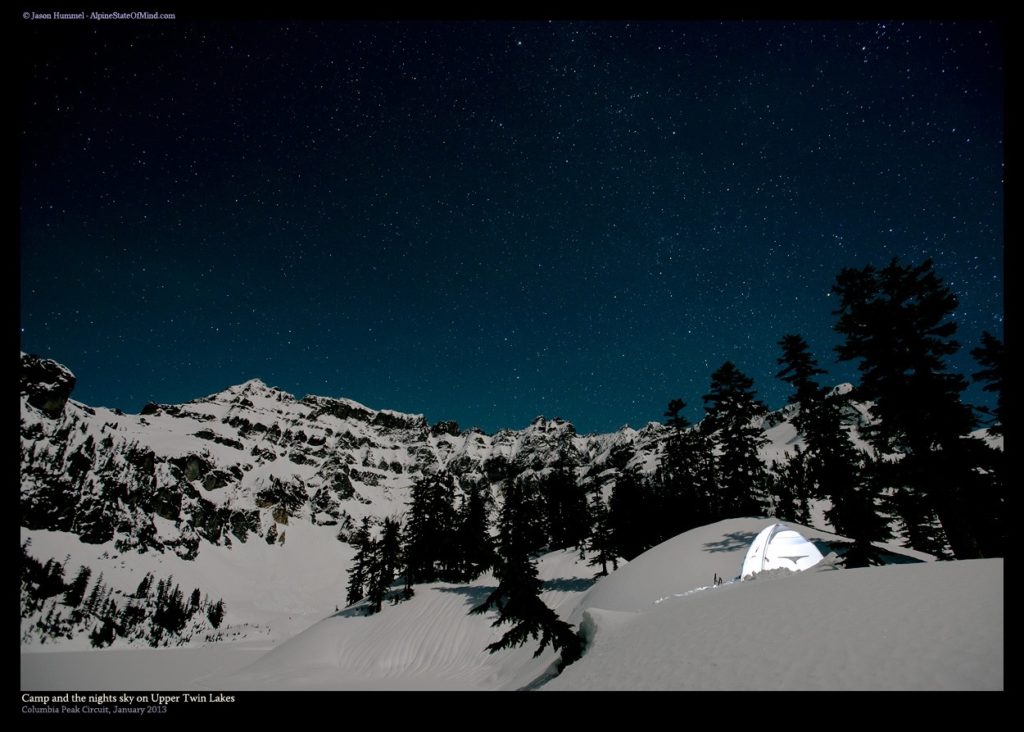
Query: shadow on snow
<point>569,584</point>
<point>731,542</point>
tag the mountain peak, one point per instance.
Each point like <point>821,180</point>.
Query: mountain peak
<point>247,389</point>
<point>46,383</point>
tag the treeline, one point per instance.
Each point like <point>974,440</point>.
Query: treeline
<point>915,464</point>
<point>157,612</point>
<point>448,537</point>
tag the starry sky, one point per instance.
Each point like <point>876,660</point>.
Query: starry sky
<point>489,221</point>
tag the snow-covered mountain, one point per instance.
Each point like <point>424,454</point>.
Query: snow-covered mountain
<point>250,494</point>
<point>249,462</point>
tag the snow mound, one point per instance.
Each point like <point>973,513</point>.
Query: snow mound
<point>936,626</point>
<point>692,559</point>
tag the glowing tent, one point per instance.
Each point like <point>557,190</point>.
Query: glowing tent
<point>779,547</point>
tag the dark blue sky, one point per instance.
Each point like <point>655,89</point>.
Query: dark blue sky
<point>490,221</point>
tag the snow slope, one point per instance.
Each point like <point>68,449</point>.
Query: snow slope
<point>271,592</point>
<point>134,669</point>
<point>428,642</point>
<point>932,626</point>
<point>690,561</point>
<point>656,623</point>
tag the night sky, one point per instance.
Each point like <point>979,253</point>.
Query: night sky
<point>489,221</point>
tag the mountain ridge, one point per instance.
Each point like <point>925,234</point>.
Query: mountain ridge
<point>253,464</point>
<point>262,443</point>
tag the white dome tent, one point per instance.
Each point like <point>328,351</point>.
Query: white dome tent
<point>779,547</point>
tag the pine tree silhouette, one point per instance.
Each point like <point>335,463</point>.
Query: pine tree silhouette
<point>475,545</point>
<point>358,573</point>
<point>145,584</point>
<point>95,598</point>
<point>730,408</point>
<point>430,543</point>
<point>799,370</point>
<point>601,541</point>
<point>51,580</point>
<point>517,597</point>
<point>832,467</point>
<point>631,514</point>
<point>215,613</point>
<point>991,355</point>
<point>568,518</point>
<point>897,325</point>
<point>990,479</point>
<point>193,603</point>
<point>384,562</point>
<point>684,480</point>
<point>76,591</point>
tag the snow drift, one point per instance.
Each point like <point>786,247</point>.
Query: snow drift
<point>934,626</point>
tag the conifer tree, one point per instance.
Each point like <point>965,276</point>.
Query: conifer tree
<point>76,591</point>
<point>781,486</point>
<point>990,478</point>
<point>145,584</point>
<point>799,370</point>
<point>193,603</point>
<point>685,479</point>
<point>475,545</point>
<point>132,615</point>
<point>92,603</point>
<point>384,561</point>
<point>358,573</point>
<point>517,597</point>
<point>896,323</point>
<point>429,543</point>
<point>215,613</point>
<point>846,476</point>
<point>390,553</point>
<point>631,514</point>
<point>601,540</point>
<point>162,588</point>
<point>111,610</point>
<point>170,614</point>
<point>103,633</point>
<point>51,581</point>
<point>991,356</point>
<point>730,408</point>
<point>566,503</point>
<point>831,467</point>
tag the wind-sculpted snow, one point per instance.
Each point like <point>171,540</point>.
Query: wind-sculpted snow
<point>427,642</point>
<point>928,626</point>
<point>661,623</point>
<point>431,642</point>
